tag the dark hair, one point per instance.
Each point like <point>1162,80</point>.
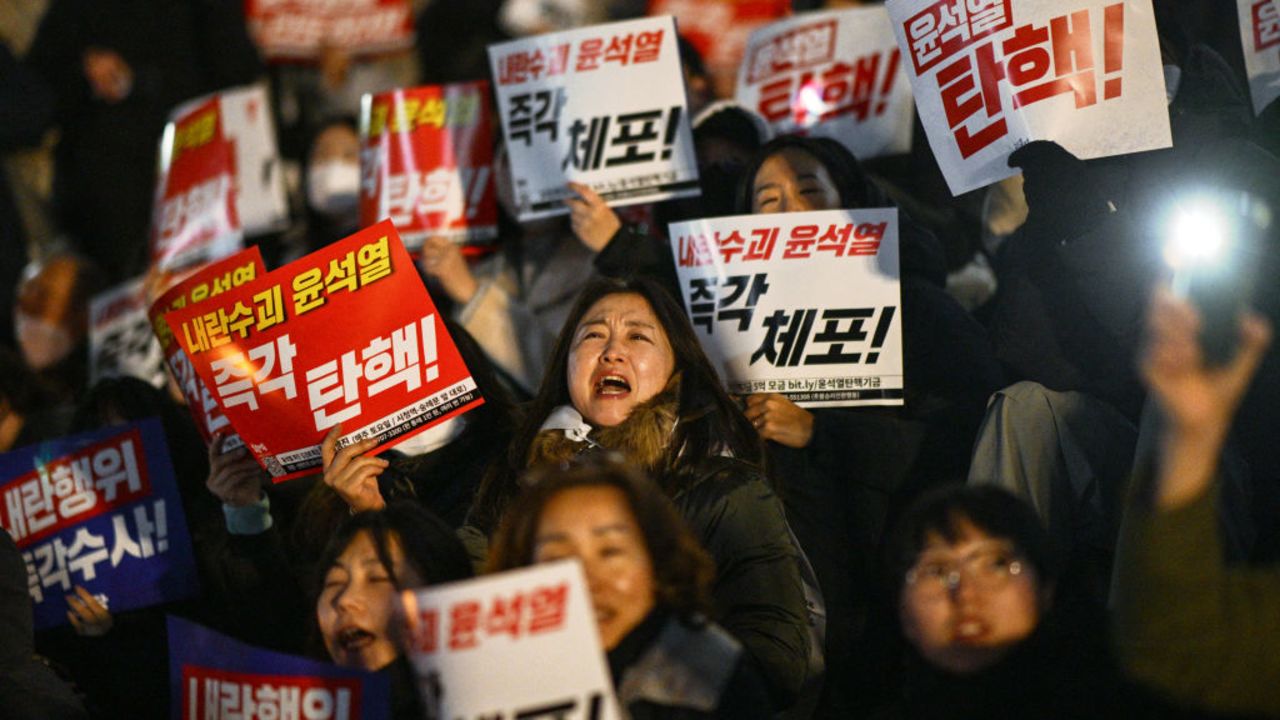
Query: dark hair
<point>429,544</point>
<point>855,188</point>
<point>682,570</point>
<point>945,511</point>
<point>709,422</point>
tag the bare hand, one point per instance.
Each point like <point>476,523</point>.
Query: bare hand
<point>109,76</point>
<point>87,615</point>
<point>593,221</point>
<point>235,477</point>
<point>351,474</point>
<point>443,260</point>
<point>1197,398</point>
<point>780,420</point>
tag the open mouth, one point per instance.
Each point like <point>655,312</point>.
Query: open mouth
<point>355,639</point>
<point>970,630</point>
<point>612,386</point>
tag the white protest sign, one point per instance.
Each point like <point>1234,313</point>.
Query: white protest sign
<point>510,644</point>
<point>260,195</point>
<point>835,74</point>
<point>120,339</point>
<point>1260,38</point>
<point>602,105</point>
<point>990,76</point>
<point>806,305</point>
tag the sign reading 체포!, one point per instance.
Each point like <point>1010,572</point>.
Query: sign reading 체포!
<point>835,74</point>
<point>806,305</point>
<point>602,105</point>
<point>120,338</point>
<point>990,76</point>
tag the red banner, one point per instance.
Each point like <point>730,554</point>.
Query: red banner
<point>300,29</point>
<point>719,30</point>
<point>347,334</point>
<point>195,216</point>
<point>427,163</point>
<point>208,282</point>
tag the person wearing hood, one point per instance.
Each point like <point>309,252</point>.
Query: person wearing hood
<point>29,689</point>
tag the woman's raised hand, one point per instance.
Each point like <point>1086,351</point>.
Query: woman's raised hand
<point>351,473</point>
<point>780,420</point>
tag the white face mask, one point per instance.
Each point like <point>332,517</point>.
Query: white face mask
<point>43,343</point>
<point>333,187</point>
<point>433,438</point>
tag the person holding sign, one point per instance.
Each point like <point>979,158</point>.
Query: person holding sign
<point>627,374</point>
<point>844,468</point>
<point>650,586</point>
<point>371,558</point>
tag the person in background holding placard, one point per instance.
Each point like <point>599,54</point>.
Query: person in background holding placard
<point>650,586</point>
<point>627,375</point>
<point>843,471</point>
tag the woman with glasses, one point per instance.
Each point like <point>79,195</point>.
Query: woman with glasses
<point>990,631</point>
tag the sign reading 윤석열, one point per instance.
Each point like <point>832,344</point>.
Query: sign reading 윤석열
<point>990,76</point>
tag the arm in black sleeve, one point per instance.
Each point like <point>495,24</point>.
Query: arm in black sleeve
<point>632,253</point>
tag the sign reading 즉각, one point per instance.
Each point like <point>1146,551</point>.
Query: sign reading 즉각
<point>210,281</point>
<point>836,74</point>
<point>213,677</point>
<point>99,510</point>
<point>989,76</point>
<point>344,335</point>
<point>603,106</point>
<point>427,163</point>
<point>806,305</point>
<point>517,644</point>
<point>1260,38</point>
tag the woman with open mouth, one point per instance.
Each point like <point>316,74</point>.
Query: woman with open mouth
<point>627,375</point>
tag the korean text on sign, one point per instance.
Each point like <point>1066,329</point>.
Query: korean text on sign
<point>427,163</point>
<point>208,282</point>
<point>302,29</point>
<point>98,510</point>
<point>195,219</point>
<point>120,340</point>
<point>345,335</point>
<point>480,647</point>
<point>835,74</point>
<point>1260,39</point>
<point>801,304</point>
<point>213,677</point>
<point>564,119</point>
<point>992,75</point>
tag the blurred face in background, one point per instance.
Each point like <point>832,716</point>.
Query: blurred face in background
<point>358,607</point>
<point>333,174</point>
<point>595,524</point>
<point>792,180</point>
<point>965,604</point>
<point>51,315</point>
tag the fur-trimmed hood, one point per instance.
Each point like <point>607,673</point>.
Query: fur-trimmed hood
<point>643,438</point>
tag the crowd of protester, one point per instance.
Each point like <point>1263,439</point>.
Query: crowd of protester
<point>1074,513</point>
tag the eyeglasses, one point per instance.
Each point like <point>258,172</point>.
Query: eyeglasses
<point>989,567</point>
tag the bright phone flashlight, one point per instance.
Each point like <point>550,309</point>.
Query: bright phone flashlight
<point>1197,235</point>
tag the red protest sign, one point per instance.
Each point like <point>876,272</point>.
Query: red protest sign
<point>347,334</point>
<point>427,163</point>
<point>207,282</point>
<point>195,217</point>
<point>719,30</point>
<point>300,29</point>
